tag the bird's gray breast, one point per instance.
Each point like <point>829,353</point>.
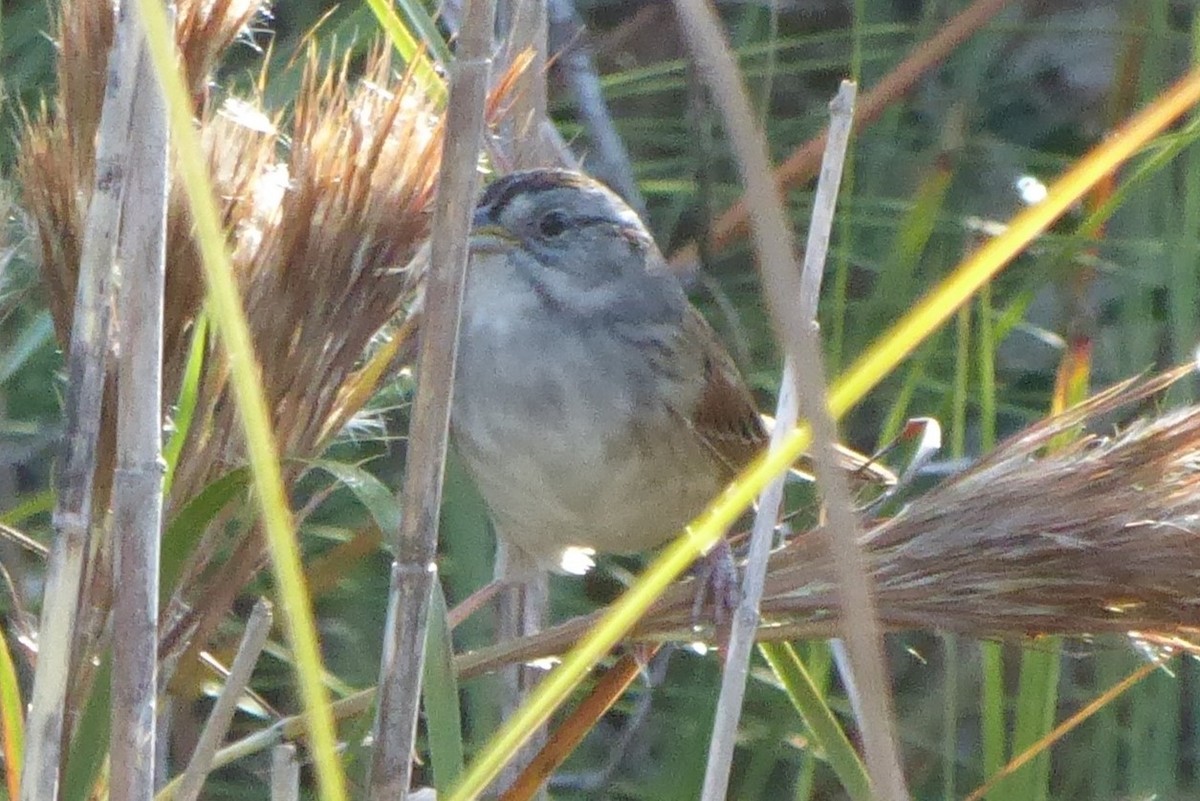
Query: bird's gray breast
<point>561,422</point>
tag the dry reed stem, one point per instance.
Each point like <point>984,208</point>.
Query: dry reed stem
<point>415,544</point>
<point>1101,537</point>
<point>84,322</point>
<point>285,773</point>
<point>746,618</point>
<point>138,480</point>
<point>800,341</point>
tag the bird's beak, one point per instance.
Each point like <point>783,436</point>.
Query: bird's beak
<point>486,236</point>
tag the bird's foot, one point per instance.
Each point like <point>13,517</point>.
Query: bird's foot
<point>716,591</point>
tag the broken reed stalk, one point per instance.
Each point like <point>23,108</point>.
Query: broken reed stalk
<point>745,621</point>
<point>258,628</point>
<point>77,466</point>
<point>415,544</point>
<point>285,773</point>
<point>801,343</point>
<point>138,478</point>
<point>1102,537</point>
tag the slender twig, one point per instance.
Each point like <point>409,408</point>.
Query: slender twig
<point>745,621</point>
<point>285,773</point>
<point>609,159</point>
<point>781,282</point>
<point>415,544</point>
<point>258,628</point>
<point>86,358</point>
<point>138,482</point>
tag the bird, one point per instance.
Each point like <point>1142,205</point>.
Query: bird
<point>594,407</point>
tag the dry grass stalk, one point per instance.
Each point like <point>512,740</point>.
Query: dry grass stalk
<point>415,544</point>
<point>1101,537</point>
<point>746,617</point>
<point>88,312</point>
<point>258,628</point>
<point>138,482</point>
<point>285,773</point>
<point>782,287</point>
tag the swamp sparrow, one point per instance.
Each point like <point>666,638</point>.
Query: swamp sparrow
<point>594,406</point>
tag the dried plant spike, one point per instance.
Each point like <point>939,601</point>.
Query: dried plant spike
<point>1101,537</point>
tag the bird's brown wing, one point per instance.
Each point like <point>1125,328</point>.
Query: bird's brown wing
<point>727,420</point>
<point>724,416</point>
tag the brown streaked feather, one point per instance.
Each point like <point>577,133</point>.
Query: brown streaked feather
<point>727,419</point>
<point>725,416</point>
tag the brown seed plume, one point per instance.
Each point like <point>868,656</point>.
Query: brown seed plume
<point>1101,535</point>
<point>325,207</point>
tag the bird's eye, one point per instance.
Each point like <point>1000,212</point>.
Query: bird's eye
<point>553,223</point>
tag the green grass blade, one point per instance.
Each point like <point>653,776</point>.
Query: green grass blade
<point>440,695</point>
<point>185,405</point>
<point>39,503</point>
<point>12,719</point>
<point>991,714</point>
<point>991,711</point>
<point>38,333</point>
<point>413,53</point>
<point>1037,702</point>
<point>184,530</point>
<point>372,493</point>
<point>418,19</point>
<point>818,659</point>
<point>89,749</point>
<point>950,715</point>
<point>827,733</point>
